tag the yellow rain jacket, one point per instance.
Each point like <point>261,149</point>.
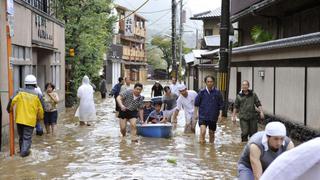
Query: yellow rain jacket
<point>29,108</point>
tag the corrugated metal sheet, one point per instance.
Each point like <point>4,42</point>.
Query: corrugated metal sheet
<point>212,40</point>
<point>207,14</point>
<point>189,58</point>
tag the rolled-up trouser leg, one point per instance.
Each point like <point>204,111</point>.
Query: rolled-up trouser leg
<point>27,140</point>
<point>188,126</point>
<point>244,125</point>
<point>244,173</point>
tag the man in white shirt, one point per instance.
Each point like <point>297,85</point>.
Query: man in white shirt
<point>186,102</point>
<point>174,87</point>
<point>126,85</point>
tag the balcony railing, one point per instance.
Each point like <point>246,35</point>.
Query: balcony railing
<point>140,31</point>
<point>133,54</point>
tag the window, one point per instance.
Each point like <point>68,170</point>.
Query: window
<point>208,32</point>
<point>57,57</point>
<point>27,54</point>
<point>42,5</point>
<point>55,74</point>
<point>21,53</point>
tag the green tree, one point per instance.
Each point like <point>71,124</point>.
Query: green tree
<point>259,35</point>
<point>164,44</point>
<point>154,57</point>
<point>88,30</point>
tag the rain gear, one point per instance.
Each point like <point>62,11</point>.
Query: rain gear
<point>86,110</point>
<point>29,108</point>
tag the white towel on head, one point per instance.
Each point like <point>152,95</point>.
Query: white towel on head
<point>300,163</point>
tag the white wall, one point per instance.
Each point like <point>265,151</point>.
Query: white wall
<point>264,87</point>
<point>233,84</point>
<point>246,73</point>
<point>22,26</point>
<point>313,98</point>
<point>290,93</point>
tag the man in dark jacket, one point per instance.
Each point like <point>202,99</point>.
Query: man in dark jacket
<point>103,87</point>
<point>116,91</point>
<point>208,108</point>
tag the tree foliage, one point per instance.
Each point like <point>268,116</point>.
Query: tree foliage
<point>88,30</point>
<point>164,44</point>
<point>259,35</point>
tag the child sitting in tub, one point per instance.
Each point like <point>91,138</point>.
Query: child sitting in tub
<point>156,116</point>
<point>147,108</point>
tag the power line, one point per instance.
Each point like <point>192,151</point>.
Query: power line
<point>153,12</point>
<point>134,11</point>
<point>159,18</point>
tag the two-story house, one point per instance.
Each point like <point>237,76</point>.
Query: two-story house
<point>201,62</point>
<point>127,56</point>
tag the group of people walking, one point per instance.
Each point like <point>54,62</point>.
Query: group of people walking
<point>203,108</point>
<point>31,106</point>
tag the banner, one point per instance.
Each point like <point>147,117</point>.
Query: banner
<point>129,24</point>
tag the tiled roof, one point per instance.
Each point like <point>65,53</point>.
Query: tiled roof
<point>296,41</point>
<point>207,14</point>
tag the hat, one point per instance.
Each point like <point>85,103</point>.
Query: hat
<point>30,79</point>
<point>275,129</point>
<point>147,99</point>
<point>157,81</point>
<point>182,87</point>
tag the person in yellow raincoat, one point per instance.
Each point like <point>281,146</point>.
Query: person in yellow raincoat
<point>29,109</point>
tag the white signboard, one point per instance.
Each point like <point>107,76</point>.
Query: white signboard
<point>10,9</point>
<point>129,24</point>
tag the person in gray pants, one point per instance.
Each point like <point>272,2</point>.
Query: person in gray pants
<point>262,148</point>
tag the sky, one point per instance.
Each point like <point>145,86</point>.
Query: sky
<point>159,23</point>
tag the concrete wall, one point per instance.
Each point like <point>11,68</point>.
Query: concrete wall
<point>264,87</point>
<point>59,43</point>
<point>22,26</point>
<point>246,74</point>
<point>289,92</point>
<point>211,24</point>
<point>3,74</point>
<point>289,97</point>
<point>313,98</point>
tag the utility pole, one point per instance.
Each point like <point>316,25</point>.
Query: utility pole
<point>224,56</point>
<point>180,35</point>
<point>10,78</point>
<point>173,39</point>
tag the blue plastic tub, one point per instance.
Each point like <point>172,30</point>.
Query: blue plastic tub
<point>155,130</point>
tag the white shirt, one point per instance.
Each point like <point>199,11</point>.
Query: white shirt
<point>125,87</point>
<point>174,89</point>
<point>187,103</point>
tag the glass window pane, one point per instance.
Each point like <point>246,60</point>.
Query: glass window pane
<point>28,53</point>
<point>58,77</point>
<point>21,52</point>
<point>16,52</point>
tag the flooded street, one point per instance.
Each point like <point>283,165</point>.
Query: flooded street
<point>97,152</point>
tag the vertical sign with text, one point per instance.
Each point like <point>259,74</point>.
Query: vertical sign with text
<point>129,24</point>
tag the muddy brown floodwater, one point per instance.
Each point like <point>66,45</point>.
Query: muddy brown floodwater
<point>97,152</point>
